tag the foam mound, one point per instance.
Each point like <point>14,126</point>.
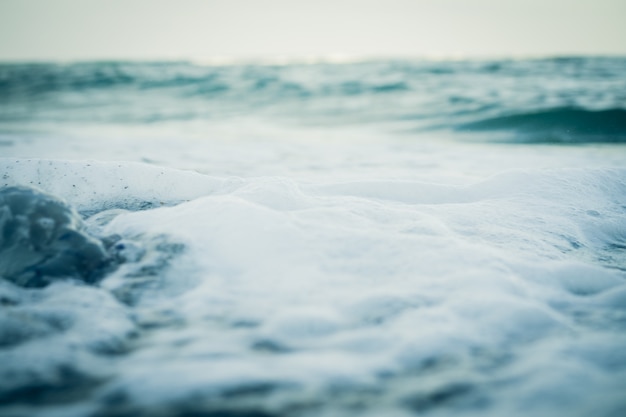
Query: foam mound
<point>43,239</point>
<point>266,295</point>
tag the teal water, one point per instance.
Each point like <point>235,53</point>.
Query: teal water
<point>568,100</point>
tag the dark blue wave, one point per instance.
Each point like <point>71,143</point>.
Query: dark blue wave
<point>563,124</point>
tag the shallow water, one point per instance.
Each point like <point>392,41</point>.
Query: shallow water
<point>323,240</point>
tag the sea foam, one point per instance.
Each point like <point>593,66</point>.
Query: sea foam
<point>268,294</point>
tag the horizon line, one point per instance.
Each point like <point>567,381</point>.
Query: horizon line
<point>309,59</point>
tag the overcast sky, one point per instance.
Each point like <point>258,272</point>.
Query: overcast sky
<point>196,29</point>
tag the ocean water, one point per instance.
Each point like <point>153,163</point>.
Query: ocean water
<point>375,238</point>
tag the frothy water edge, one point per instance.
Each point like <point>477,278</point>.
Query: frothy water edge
<point>277,297</point>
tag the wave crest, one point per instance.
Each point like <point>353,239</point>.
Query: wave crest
<point>561,125</point>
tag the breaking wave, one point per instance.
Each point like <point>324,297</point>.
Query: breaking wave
<point>561,125</point>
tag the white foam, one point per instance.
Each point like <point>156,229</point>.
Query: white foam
<point>59,333</point>
<point>95,186</point>
<point>311,285</point>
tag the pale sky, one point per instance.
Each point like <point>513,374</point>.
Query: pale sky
<point>197,29</point>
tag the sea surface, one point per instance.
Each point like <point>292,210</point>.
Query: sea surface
<point>313,238</point>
